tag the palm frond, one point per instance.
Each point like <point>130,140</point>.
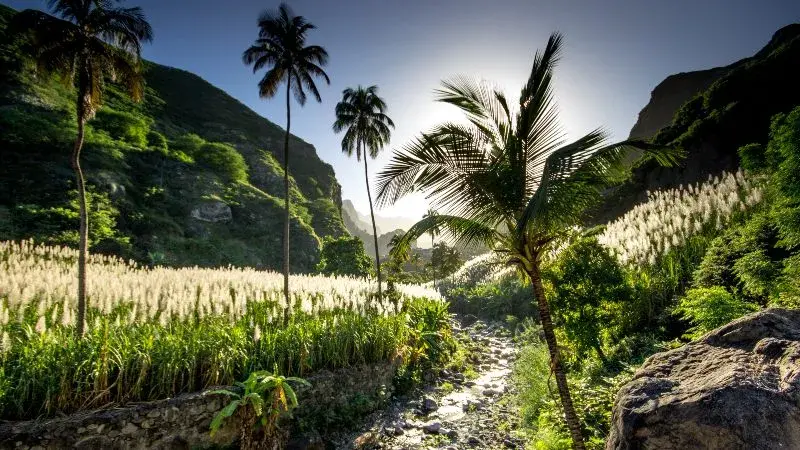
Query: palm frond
<point>482,104</point>
<point>280,48</point>
<point>458,230</point>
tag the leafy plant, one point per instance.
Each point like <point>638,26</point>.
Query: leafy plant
<point>264,398</point>
<point>709,308</point>
<point>344,256</point>
<point>589,290</point>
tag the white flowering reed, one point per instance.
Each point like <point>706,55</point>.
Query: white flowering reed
<point>44,277</point>
<point>670,217</point>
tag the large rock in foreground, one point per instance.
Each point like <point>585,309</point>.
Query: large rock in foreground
<point>737,387</point>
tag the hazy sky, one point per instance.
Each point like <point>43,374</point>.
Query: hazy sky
<point>615,53</point>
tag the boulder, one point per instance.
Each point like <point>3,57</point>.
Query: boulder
<point>212,212</point>
<point>737,387</point>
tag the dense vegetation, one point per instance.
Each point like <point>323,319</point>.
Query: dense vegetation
<point>735,110</point>
<point>154,170</point>
<point>154,333</point>
<point>687,261</point>
<point>173,182</point>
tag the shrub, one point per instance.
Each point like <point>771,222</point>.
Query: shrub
<point>344,256</point>
<point>588,290</point>
<point>531,378</point>
<point>224,159</point>
<point>709,308</point>
<point>124,126</point>
<point>157,142</point>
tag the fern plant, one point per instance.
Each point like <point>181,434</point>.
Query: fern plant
<point>263,399</point>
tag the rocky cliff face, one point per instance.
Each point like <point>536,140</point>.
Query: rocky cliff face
<point>710,114</point>
<point>670,95</point>
<point>737,387</point>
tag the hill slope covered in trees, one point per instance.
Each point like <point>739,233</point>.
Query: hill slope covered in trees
<point>190,176</point>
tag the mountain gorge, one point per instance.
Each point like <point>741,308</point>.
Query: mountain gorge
<point>189,176</point>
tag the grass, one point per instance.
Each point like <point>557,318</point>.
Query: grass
<point>154,333</point>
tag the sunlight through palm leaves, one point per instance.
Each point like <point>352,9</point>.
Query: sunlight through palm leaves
<point>508,179</point>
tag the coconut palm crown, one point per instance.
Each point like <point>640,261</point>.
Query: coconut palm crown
<point>508,178</point>
<point>86,43</point>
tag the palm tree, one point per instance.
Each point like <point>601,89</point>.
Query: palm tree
<point>508,179</point>
<point>397,250</point>
<point>86,42</point>
<point>363,114</point>
<point>434,231</point>
<point>281,48</point>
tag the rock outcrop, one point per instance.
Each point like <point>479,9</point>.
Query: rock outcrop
<point>213,212</point>
<point>669,96</point>
<point>738,387</point>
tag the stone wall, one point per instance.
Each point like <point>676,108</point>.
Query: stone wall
<point>183,422</point>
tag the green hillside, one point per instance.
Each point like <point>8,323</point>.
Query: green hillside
<point>191,176</point>
<point>732,111</point>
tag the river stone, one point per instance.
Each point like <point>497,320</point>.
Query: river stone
<point>432,428</point>
<point>737,387</point>
<point>212,212</point>
<point>429,405</point>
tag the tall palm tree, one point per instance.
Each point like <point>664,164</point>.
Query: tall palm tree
<point>363,114</point>
<point>281,49</point>
<point>86,42</point>
<point>507,178</point>
<point>434,231</point>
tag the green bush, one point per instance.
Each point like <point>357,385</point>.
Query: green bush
<point>531,378</point>
<point>709,308</point>
<point>588,291</point>
<point>59,224</point>
<point>495,299</point>
<point>344,256</point>
<point>157,142</point>
<point>131,128</point>
<point>224,159</point>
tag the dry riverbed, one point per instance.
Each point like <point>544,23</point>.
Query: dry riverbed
<point>455,411</point>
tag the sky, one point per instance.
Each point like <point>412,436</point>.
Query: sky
<point>615,53</point>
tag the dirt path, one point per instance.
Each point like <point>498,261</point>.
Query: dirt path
<point>454,412</point>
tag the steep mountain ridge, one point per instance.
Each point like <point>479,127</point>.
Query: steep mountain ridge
<point>191,176</point>
<point>721,110</point>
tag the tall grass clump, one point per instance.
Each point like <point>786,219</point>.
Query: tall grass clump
<point>670,218</point>
<point>154,333</point>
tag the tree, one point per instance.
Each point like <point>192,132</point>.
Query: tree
<point>363,114</point>
<point>402,253</point>
<point>433,231</point>
<point>445,258</point>
<point>344,256</point>
<point>589,290</point>
<point>506,178</point>
<point>88,42</point>
<point>281,48</point>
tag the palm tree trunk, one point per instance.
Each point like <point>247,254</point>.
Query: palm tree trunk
<point>286,200</point>
<point>433,266</point>
<point>571,417</point>
<point>83,233</point>
<point>374,228</point>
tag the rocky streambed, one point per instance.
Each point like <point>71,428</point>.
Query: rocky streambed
<point>455,411</point>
